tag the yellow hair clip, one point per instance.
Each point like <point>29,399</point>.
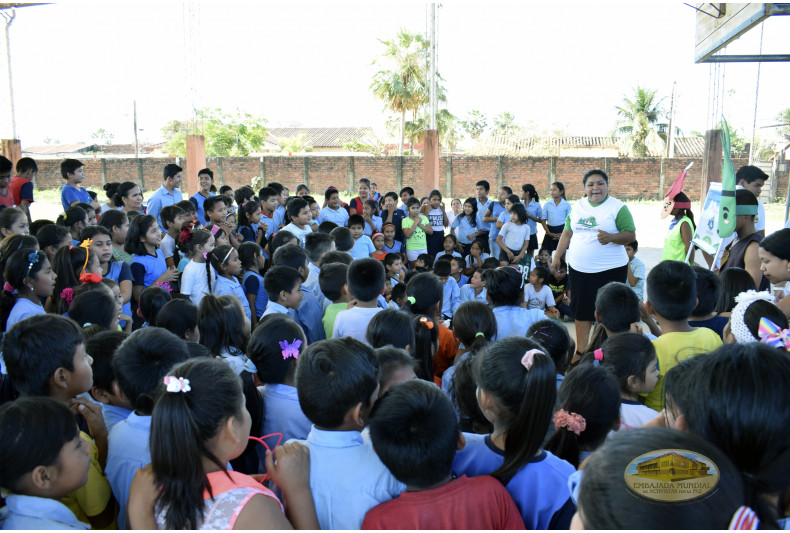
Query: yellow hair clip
<point>86,244</point>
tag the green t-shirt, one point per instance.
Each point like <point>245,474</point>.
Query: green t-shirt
<point>624,220</point>
<point>329,317</point>
<point>418,240</point>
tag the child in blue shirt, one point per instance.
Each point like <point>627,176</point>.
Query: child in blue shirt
<point>252,261</point>
<point>114,405</point>
<point>251,224</point>
<point>372,220</point>
<point>516,392</point>
<point>636,270</point>
<point>140,364</point>
<point>451,299</point>
<point>337,383</point>
<point>73,172</point>
<point>363,246</point>
<point>333,211</point>
<point>503,290</point>
<point>225,260</point>
<point>283,286</point>
<point>148,263</point>
<point>457,271</point>
<point>268,199</point>
<point>44,459</point>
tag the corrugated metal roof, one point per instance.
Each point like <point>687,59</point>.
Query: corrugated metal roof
<point>325,137</point>
<point>50,149</point>
<point>517,145</point>
<point>689,146</point>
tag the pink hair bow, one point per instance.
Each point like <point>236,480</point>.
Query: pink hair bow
<point>598,354</point>
<point>175,384</point>
<point>290,349</point>
<point>8,287</point>
<point>571,421</point>
<point>529,358</point>
<point>773,335</point>
<point>67,294</point>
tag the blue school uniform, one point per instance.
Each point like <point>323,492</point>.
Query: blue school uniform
<point>451,299</point>
<point>253,284</point>
<point>376,226</point>
<point>514,320</point>
<point>539,489</point>
<point>339,216</point>
<point>310,315</point>
<point>232,287</point>
<point>468,294</point>
<point>362,248</point>
<point>463,280</point>
<point>282,415</point>
<point>464,228</point>
<point>278,217</point>
<point>128,450</point>
<point>271,227</point>
<point>397,247</point>
<point>496,211</point>
<point>535,210</point>
<point>555,215</point>
<point>162,198</point>
<point>118,272</point>
<point>197,200</point>
<point>34,513</point>
<point>250,233</point>
<point>113,414</point>
<point>146,269</point>
<point>70,194</point>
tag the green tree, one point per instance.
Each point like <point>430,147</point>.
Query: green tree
<point>226,135</point>
<point>296,144</point>
<point>638,123</point>
<point>103,136</point>
<point>784,118</point>
<point>475,124</point>
<point>401,82</point>
<point>505,124</point>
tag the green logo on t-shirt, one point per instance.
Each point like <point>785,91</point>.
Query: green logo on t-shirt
<point>590,222</point>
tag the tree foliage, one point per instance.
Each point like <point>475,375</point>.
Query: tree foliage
<point>505,124</point>
<point>226,134</point>
<point>296,144</point>
<point>784,118</point>
<point>103,136</point>
<point>638,123</point>
<point>475,124</point>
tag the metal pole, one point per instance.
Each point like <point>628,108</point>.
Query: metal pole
<point>432,75</point>
<point>136,145</point>
<point>670,135</point>
<point>9,20</point>
<point>756,96</point>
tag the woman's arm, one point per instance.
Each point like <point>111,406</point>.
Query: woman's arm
<point>751,263</point>
<point>686,234</point>
<point>562,247</point>
<point>624,237</point>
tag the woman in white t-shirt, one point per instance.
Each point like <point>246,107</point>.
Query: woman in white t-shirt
<point>595,236</point>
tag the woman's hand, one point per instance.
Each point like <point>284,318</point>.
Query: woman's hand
<point>603,237</point>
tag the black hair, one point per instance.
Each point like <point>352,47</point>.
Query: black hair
<point>278,279</point>
<point>343,239</point>
<point>426,341</point>
<point>406,189</point>
<point>170,170</point>
<point>265,351</point>
<point>67,264</point>
<point>52,338</point>
<point>188,240</point>
<point>513,199</point>
<point>778,244</point>
<point>561,187</point>
<point>749,174</point>
<point>530,191</point>
<point>398,292</point>
<point>169,213</point>
<point>218,259</point>
<point>9,215</point>
<point>187,206</point>
<point>137,230</point>
<point>40,223</point>
<point>302,186</point>
<point>248,254</point>
<point>87,208</point>
<point>72,216</point>
<point>542,273</point>
<point>595,172</point>
<point>210,203</point>
<point>246,209</point>
<point>221,324</point>
<point>463,393</point>
<point>708,291</point>
<point>626,355</point>
<point>391,359</point>
<point>96,308</point>
<point>243,193</point>
<point>745,197</point>
<point>412,201</point>
<point>484,184</point>
<point>332,377</point>
<point>290,255</point>
<point>606,501</point>
<point>553,336</point>
<point>325,227</point>
<point>390,259</point>
<point>195,349</point>
<point>331,280</point>
<point>592,392</point>
<point>525,397</point>
<point>520,211</point>
<point>295,205</point>
<point>355,220</point>
<point>110,189</point>
<point>122,191</point>
<point>739,385</point>
<point>503,286</point>
<point>474,324</point>
<point>336,256</point>
<point>181,427</point>
<point>280,238</point>
<point>672,290</point>
<point>733,282</point>
<point>329,192</point>
<point>17,269</point>
<point>33,431</point>
<point>365,279</point>
<point>142,361</point>
<point>415,434</point>
<point>490,263</point>
<point>442,267</point>
<point>152,299</point>
<point>208,172</point>
<point>102,347</point>
<point>316,245</point>
<point>472,218</point>
<point>178,317</point>
<point>427,260</point>
<point>112,218</point>
<point>634,245</point>
<point>266,192</point>
<point>25,164</point>
<point>618,306</point>
<point>427,292</point>
<point>365,181</point>
<point>224,189</point>
<point>391,327</point>
<point>760,309</point>
<point>685,212</point>
<point>91,231</point>
<point>69,166</point>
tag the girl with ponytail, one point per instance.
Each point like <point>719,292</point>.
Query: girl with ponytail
<point>516,393</point>
<point>474,325</point>
<point>28,279</point>
<point>199,424</point>
<point>73,265</point>
<point>196,281</point>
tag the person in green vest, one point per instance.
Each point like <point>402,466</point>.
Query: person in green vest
<point>681,230</point>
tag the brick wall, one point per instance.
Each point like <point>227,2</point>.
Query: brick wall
<point>629,178</point>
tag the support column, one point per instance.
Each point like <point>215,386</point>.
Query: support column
<point>352,176</point>
<point>306,172</point>
<point>399,174</point>
<point>220,178</point>
<point>711,160</point>
<point>103,164</point>
<point>12,149</point>
<point>500,173</point>
<point>661,178</point>
<point>196,161</point>
<point>430,173</point>
<point>448,178</point>
<point>263,175</point>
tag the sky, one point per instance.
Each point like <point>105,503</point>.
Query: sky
<point>79,66</point>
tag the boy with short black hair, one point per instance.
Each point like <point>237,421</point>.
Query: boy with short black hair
<point>243,194</point>
<point>268,198</point>
<point>115,405</point>
<point>21,185</point>
<point>708,291</point>
<point>333,211</point>
<point>337,381</point>
<point>317,245</point>
<point>672,297</point>
<point>457,271</point>
<point>168,194</point>
<point>504,292</point>
<point>344,241</point>
<point>617,308</point>
<point>636,270</point>
<point>299,211</point>
<point>283,285</point>
<point>173,218</point>
<point>215,210</point>
<point>423,263</point>
<point>309,313</point>
<point>393,264</point>
<point>73,171</point>
<point>365,282</point>
<point>336,256</point>
<point>279,212</point>
<point>332,281</point>
<point>363,246</point>
<point>205,181</point>
<point>405,194</point>
<point>398,296</point>
<point>452,293</point>
<point>326,227</point>
<point>414,432</point>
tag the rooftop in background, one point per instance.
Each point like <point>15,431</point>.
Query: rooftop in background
<point>323,138</point>
<point>570,146</point>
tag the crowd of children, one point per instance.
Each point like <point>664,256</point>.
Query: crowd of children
<point>248,359</point>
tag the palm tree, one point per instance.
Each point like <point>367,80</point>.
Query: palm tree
<point>638,123</point>
<point>401,83</point>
